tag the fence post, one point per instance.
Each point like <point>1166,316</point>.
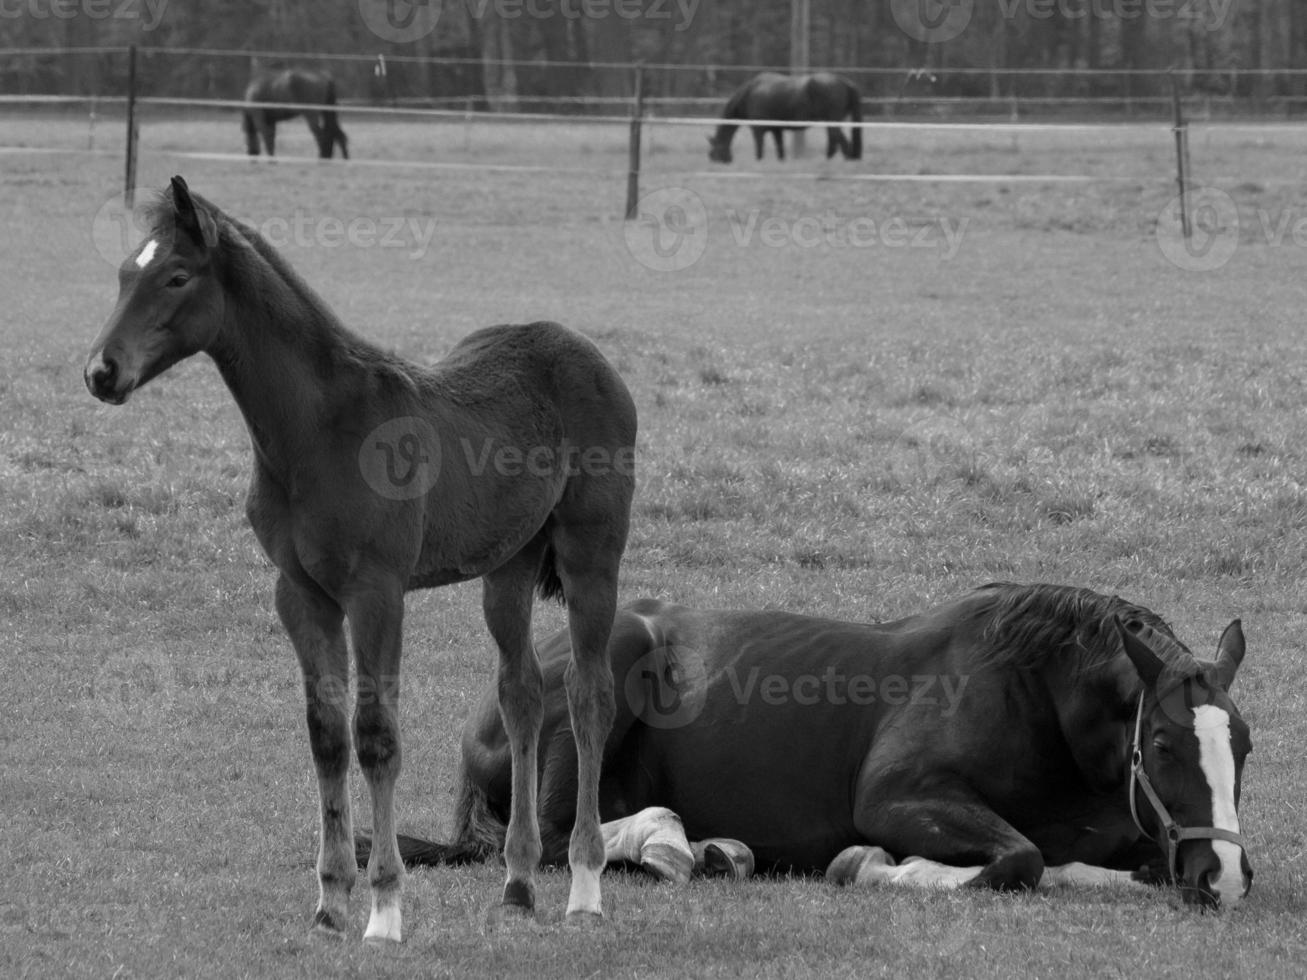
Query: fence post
<point>633,173</point>
<point>1181,157</point>
<point>129,177</point>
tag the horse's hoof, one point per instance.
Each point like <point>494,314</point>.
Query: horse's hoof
<point>850,861</point>
<point>667,862</point>
<point>722,857</point>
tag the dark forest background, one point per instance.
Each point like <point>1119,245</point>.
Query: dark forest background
<point>506,52</point>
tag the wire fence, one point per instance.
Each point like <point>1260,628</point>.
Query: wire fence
<point>596,87</point>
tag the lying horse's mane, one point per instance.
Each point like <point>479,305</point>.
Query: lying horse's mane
<point>1026,625</point>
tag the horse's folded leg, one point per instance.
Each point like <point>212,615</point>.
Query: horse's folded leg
<point>861,864</point>
<point>721,857</point>
<point>653,839</point>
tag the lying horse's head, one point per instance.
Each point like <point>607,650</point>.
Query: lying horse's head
<point>169,301</point>
<point>1188,751</point>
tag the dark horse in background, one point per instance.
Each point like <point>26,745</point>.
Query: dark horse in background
<point>299,86</point>
<point>1017,736</point>
<point>369,481</point>
<point>822,97</point>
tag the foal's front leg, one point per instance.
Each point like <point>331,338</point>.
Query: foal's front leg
<point>376,618</point>
<point>314,623</point>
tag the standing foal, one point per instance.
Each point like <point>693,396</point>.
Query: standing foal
<point>511,460</point>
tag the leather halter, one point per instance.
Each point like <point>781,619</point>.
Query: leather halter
<point>1173,833</point>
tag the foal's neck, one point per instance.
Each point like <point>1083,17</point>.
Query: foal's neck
<point>284,355</point>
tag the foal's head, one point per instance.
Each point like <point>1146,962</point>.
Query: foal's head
<point>170,303</point>
<point>1190,745</point>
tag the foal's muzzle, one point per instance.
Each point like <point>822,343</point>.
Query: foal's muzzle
<point>103,380</point>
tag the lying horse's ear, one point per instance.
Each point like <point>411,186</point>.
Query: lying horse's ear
<point>1229,654</point>
<point>1146,661</point>
<point>195,221</point>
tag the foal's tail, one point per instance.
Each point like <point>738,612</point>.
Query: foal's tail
<point>478,835</point>
<point>855,114</point>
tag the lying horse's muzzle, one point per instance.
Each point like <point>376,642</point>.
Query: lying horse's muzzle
<point>1203,882</point>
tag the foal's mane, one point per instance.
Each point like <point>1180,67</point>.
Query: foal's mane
<point>1025,626</point>
<point>260,275</point>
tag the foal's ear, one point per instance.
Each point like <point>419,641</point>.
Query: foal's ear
<point>1229,654</point>
<point>192,219</point>
<point>1147,663</point>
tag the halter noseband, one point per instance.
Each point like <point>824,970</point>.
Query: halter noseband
<point>1172,832</point>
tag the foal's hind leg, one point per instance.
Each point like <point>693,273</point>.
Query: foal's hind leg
<point>314,624</point>
<point>506,601</point>
<point>588,556</point>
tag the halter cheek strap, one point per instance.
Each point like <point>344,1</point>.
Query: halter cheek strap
<point>1172,833</point>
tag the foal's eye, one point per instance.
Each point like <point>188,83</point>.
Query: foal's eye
<point>179,280</point>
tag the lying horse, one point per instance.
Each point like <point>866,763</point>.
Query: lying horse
<point>822,97</point>
<point>1016,736</point>
<point>293,85</point>
<point>370,480</point>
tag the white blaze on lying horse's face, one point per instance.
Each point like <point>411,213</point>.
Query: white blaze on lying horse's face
<point>1216,756</point>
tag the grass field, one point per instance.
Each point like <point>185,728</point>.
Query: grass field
<point>849,428</point>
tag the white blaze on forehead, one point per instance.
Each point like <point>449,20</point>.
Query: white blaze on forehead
<point>1216,757</point>
<point>146,254</point>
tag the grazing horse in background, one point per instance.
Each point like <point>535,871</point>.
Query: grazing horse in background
<point>293,85</point>
<point>822,97</point>
<point>1019,735</point>
<point>510,460</point>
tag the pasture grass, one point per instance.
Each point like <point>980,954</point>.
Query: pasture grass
<point>854,432</point>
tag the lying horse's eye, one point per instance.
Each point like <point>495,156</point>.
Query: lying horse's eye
<point>179,280</point>
<point>1162,747</point>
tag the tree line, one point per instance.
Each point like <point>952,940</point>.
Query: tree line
<point>523,53</point>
